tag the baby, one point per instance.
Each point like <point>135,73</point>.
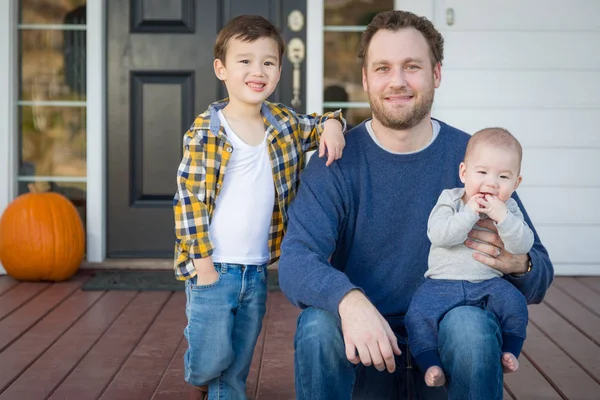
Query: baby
<point>491,173</point>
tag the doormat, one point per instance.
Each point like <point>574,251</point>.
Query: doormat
<point>148,280</point>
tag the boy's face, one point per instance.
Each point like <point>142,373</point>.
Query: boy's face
<point>251,70</point>
<point>490,170</point>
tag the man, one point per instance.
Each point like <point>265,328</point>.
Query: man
<point>356,247</point>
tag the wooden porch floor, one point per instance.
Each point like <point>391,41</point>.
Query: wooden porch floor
<point>59,342</point>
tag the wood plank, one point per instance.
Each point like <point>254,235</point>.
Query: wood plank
<point>141,374</point>
<point>575,288</point>
<point>7,283</point>
<point>254,375</point>
<point>529,383</point>
<point>574,312</point>
<point>507,395</point>
<point>15,324</point>
<point>96,370</point>
<point>20,295</point>
<point>277,369</point>
<point>24,351</point>
<point>579,347</point>
<point>592,282</point>
<point>173,385</point>
<point>567,377</point>
<point>56,363</point>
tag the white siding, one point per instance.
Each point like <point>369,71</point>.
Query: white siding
<point>533,67</point>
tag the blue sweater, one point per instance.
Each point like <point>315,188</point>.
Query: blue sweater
<point>369,212</point>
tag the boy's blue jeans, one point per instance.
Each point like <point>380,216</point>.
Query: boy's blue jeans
<point>469,344</point>
<point>224,321</point>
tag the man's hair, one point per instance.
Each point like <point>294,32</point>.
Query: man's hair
<point>247,28</point>
<point>495,137</point>
<point>396,20</point>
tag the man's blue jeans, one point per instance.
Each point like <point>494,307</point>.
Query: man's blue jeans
<point>469,345</point>
<point>224,321</point>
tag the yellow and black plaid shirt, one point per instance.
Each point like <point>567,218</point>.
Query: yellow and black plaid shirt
<point>206,152</point>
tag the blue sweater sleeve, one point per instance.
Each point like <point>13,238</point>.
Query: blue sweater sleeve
<point>316,217</point>
<point>535,283</point>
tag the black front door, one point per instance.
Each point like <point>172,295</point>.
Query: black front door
<point>160,76</point>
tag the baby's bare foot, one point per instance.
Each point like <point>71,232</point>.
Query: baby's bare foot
<point>509,362</point>
<point>435,376</point>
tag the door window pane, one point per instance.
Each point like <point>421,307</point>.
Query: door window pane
<point>52,99</point>
<point>354,12</point>
<point>54,12</point>
<point>53,141</point>
<point>52,65</point>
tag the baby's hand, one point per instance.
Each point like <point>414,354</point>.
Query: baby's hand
<point>493,207</point>
<point>473,203</point>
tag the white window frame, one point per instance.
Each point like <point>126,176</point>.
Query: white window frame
<point>8,101</point>
<point>95,122</point>
<point>315,41</point>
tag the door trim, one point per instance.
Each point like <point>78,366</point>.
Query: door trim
<point>96,130</point>
<point>8,102</point>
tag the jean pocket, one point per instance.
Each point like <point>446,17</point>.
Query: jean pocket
<point>194,285</point>
<point>264,275</point>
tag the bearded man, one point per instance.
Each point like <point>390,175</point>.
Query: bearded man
<point>356,245</point>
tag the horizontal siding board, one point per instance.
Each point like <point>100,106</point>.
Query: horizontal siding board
<point>571,245</point>
<point>518,88</point>
<point>530,15</point>
<point>521,50</point>
<point>546,205</point>
<point>534,127</point>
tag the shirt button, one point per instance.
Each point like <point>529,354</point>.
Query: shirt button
<point>229,149</point>
<point>218,185</point>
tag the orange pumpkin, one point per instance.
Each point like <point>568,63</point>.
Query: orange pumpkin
<point>41,238</point>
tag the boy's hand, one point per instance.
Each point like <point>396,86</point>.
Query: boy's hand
<point>493,207</point>
<point>206,274</point>
<point>332,141</point>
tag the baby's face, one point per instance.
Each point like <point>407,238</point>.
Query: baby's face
<point>492,171</point>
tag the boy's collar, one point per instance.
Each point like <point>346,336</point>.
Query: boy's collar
<point>210,120</point>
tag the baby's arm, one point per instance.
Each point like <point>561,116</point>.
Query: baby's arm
<point>448,227</point>
<point>514,231</point>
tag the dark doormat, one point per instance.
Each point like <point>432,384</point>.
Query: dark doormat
<point>148,280</point>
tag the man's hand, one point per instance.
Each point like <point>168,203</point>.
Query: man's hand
<point>367,333</point>
<point>205,271</point>
<point>489,250</point>
<point>332,141</point>
<point>493,207</point>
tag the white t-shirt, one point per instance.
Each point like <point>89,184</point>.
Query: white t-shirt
<point>239,229</point>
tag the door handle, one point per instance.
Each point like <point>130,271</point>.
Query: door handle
<point>296,52</point>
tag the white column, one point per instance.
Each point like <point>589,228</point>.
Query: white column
<point>96,130</point>
<point>314,56</point>
<point>8,151</point>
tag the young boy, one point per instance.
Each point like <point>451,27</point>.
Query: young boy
<point>491,173</point>
<point>240,171</point>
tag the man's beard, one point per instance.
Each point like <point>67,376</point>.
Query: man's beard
<point>402,119</point>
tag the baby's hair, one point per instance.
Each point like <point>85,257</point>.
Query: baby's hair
<point>495,137</point>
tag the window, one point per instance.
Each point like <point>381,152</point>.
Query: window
<point>52,98</point>
<point>344,22</point>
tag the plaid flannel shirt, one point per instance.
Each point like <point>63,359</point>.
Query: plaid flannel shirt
<point>206,153</point>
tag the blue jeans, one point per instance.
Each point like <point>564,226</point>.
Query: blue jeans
<point>435,297</point>
<point>224,321</point>
<point>469,345</point>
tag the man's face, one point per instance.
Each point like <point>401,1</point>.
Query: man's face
<point>399,78</point>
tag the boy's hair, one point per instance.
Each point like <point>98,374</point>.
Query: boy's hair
<point>247,28</point>
<point>495,137</point>
<point>396,20</point>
